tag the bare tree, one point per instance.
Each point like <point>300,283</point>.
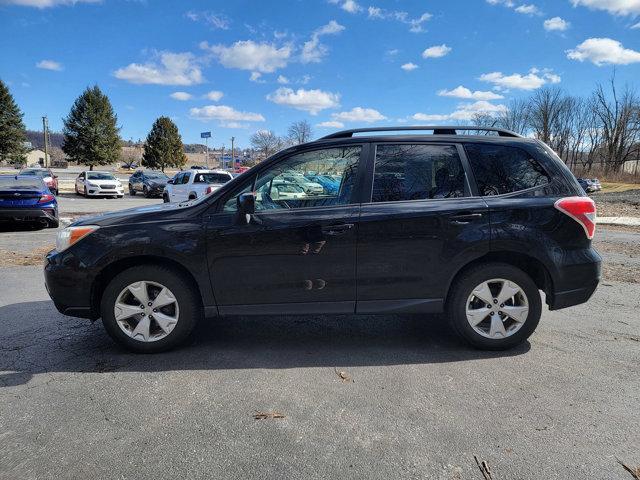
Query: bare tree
<point>515,117</point>
<point>299,132</point>
<point>545,108</point>
<point>266,142</point>
<point>618,119</point>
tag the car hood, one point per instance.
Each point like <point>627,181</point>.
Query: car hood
<point>149,213</point>
<point>156,183</point>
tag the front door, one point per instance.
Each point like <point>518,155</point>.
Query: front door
<point>421,226</point>
<point>297,255</point>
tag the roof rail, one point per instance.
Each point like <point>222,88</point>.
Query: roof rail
<point>437,130</point>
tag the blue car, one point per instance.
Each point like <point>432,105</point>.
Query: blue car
<point>330,184</point>
<point>27,199</point>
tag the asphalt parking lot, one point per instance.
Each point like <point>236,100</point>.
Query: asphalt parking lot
<point>362,397</point>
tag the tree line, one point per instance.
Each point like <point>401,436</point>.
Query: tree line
<point>90,134</point>
<point>601,130</point>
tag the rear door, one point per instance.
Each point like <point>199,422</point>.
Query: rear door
<point>421,225</point>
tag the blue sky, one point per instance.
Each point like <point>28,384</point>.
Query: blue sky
<point>234,67</point>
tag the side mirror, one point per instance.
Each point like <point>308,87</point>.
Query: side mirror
<point>55,176</point>
<point>170,181</point>
<point>246,206</point>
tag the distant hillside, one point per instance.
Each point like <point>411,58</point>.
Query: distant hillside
<point>37,140</point>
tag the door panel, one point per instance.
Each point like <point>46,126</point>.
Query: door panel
<point>292,256</point>
<point>411,249</point>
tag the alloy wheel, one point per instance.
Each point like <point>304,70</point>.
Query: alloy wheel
<point>146,311</point>
<point>497,308</point>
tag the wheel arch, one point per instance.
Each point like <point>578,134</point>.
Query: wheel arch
<point>528,264</point>
<point>111,270</point>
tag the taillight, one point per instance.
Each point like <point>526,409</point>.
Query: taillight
<point>209,190</point>
<point>582,210</point>
<point>46,198</point>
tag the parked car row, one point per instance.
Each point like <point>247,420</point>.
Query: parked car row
<point>590,185</point>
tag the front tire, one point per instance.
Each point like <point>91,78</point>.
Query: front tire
<point>132,299</point>
<point>132,192</point>
<point>494,306</point>
<point>165,198</point>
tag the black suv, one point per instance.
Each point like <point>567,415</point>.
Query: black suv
<point>149,182</point>
<point>473,225</point>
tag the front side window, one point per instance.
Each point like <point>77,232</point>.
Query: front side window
<point>293,183</point>
<point>417,172</point>
<point>211,178</point>
<point>500,169</point>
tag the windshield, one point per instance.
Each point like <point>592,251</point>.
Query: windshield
<point>100,176</point>
<point>13,183</point>
<point>156,175</point>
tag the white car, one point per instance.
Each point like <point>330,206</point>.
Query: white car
<point>192,184</point>
<point>92,183</point>
<point>286,191</point>
<point>309,187</point>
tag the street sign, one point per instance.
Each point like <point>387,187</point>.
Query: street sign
<point>205,135</point>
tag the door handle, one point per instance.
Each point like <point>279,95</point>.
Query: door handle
<point>464,218</point>
<point>336,230</point>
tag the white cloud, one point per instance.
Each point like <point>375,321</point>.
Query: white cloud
<point>506,3</point>
<point>615,7</point>
<point>556,24</point>
<point>636,26</point>
<point>528,10</point>
<point>350,6</point>
<point>49,65</point>
<point>313,50</point>
<point>312,101</point>
<point>282,80</point>
<point>255,77</point>
<point>463,92</point>
<point>249,55</point>
<point>416,24</point>
<point>216,21</point>
<point>224,113</point>
<point>407,67</point>
<point>172,69</point>
<point>531,81</point>
<point>330,124</point>
<point>464,112</point>
<point>436,51</point>
<point>182,96</point>
<point>604,51</point>
<point>46,3</point>
<point>214,95</point>
<point>359,114</point>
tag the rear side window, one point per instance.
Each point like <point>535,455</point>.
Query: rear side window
<point>499,169</point>
<point>417,172</point>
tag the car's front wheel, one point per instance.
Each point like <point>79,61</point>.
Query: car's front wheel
<point>165,197</point>
<point>494,306</point>
<point>132,191</point>
<point>150,308</point>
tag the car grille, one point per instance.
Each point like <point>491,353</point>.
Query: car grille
<point>107,187</point>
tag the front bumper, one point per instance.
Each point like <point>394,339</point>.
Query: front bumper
<point>69,285</point>
<point>99,191</point>
<point>48,214</point>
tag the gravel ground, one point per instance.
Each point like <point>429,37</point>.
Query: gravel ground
<point>618,204</point>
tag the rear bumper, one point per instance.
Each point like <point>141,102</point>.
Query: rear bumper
<point>578,281</point>
<point>48,214</point>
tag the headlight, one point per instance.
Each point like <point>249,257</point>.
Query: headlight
<point>91,184</point>
<point>71,235</point>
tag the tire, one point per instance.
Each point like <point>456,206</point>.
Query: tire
<point>165,198</point>
<point>145,191</point>
<point>76,188</point>
<point>462,295</point>
<point>85,193</point>
<point>188,307</point>
<point>132,192</point>
<point>54,224</point>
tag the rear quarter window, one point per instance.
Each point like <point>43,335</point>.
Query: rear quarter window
<point>500,169</point>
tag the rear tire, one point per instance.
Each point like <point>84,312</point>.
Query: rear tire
<point>188,308</point>
<point>463,306</point>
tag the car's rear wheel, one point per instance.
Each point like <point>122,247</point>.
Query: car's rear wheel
<point>150,308</point>
<point>494,306</point>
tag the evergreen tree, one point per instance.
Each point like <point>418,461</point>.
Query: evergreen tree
<point>12,131</point>
<point>163,147</point>
<point>90,130</point>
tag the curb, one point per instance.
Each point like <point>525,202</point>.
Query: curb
<point>626,221</point>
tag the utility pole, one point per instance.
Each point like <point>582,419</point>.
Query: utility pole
<point>45,133</point>
<point>233,156</point>
<point>222,156</point>
<point>206,155</point>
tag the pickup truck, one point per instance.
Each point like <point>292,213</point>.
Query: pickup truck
<point>191,184</point>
